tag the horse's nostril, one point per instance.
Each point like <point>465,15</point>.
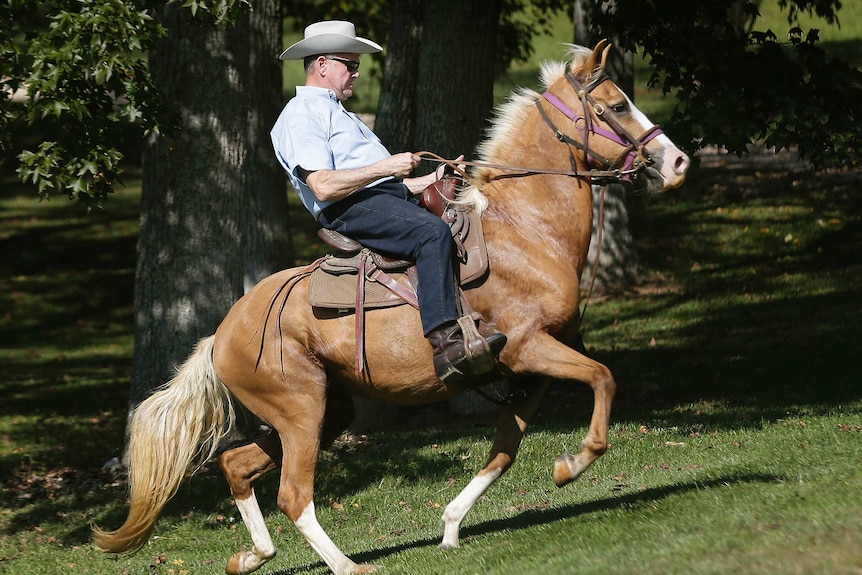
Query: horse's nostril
<point>681,164</point>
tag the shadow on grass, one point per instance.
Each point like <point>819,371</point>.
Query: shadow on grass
<point>532,518</point>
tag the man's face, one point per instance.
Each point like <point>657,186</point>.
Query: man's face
<point>338,73</point>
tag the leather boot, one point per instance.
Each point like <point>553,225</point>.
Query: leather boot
<point>451,361</point>
<point>450,355</point>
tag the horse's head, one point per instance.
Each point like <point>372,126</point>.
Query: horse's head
<point>619,141</point>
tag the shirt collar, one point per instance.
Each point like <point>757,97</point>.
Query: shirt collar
<point>316,91</point>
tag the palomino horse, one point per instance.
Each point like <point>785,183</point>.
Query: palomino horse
<point>296,371</point>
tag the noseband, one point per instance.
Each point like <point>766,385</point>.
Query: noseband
<point>634,157</point>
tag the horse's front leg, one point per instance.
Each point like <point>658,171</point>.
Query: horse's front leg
<point>511,426</point>
<point>547,356</point>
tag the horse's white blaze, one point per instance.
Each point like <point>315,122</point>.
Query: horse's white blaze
<point>461,505</point>
<point>673,162</point>
<point>337,561</point>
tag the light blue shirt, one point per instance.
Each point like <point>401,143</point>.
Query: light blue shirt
<point>315,132</point>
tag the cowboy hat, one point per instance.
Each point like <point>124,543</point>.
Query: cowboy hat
<point>331,36</point>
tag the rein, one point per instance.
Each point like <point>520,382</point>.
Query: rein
<point>634,157</point>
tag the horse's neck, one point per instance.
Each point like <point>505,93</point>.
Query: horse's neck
<point>554,207</point>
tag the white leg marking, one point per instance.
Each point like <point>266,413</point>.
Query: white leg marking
<point>337,561</point>
<point>461,505</point>
<point>263,550</point>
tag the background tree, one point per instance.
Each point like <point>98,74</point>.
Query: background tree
<point>203,83</point>
<point>617,266</point>
<point>213,203</point>
<point>739,86</point>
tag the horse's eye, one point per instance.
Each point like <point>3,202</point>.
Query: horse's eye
<point>621,108</point>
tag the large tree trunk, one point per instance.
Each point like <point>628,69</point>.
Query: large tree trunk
<point>267,245</point>
<point>211,196</point>
<point>455,93</point>
<point>396,108</point>
<point>437,95</point>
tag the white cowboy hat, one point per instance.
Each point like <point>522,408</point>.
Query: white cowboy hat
<point>329,37</point>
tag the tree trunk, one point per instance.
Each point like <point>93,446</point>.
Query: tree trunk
<point>455,94</point>
<point>396,109</point>
<point>267,245</point>
<point>620,66</point>
<point>196,202</point>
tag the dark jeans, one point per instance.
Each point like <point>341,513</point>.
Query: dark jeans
<point>388,220</point>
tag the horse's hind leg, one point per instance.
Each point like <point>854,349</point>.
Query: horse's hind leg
<point>241,467</point>
<point>297,413</point>
<point>511,426</point>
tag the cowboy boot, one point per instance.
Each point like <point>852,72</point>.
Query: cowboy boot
<point>451,358</point>
<point>450,355</point>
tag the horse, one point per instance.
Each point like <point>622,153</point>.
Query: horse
<point>295,369</point>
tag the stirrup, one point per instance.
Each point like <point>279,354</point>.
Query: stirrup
<point>479,355</point>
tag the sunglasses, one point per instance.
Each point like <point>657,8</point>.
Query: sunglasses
<point>351,65</point>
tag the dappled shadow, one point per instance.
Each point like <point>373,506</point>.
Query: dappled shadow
<point>535,517</point>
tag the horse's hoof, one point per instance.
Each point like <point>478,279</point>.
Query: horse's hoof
<point>446,546</point>
<point>243,563</point>
<point>566,469</point>
<point>367,568</point>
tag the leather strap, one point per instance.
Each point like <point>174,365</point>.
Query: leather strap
<point>379,276</point>
<point>359,335</point>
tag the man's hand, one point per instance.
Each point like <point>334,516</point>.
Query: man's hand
<point>401,165</point>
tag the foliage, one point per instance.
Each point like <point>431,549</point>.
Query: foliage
<point>82,68</point>
<point>735,87</point>
<point>521,21</point>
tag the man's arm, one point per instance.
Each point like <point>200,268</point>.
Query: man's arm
<point>334,185</point>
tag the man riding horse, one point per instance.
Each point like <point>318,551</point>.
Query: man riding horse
<point>351,184</point>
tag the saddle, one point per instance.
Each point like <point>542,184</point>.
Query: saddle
<point>352,278</point>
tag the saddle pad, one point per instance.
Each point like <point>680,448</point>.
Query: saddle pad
<point>339,291</point>
<point>333,283</point>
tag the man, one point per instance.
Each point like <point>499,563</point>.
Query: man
<point>351,184</point>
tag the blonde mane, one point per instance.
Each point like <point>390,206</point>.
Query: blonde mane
<point>509,117</point>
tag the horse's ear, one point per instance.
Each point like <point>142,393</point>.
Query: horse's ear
<point>605,47</point>
<point>596,61</point>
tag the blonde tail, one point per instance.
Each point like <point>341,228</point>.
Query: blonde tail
<point>173,433</point>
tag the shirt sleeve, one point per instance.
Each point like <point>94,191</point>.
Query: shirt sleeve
<point>309,143</point>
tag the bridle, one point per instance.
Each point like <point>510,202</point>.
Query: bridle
<point>634,157</point>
